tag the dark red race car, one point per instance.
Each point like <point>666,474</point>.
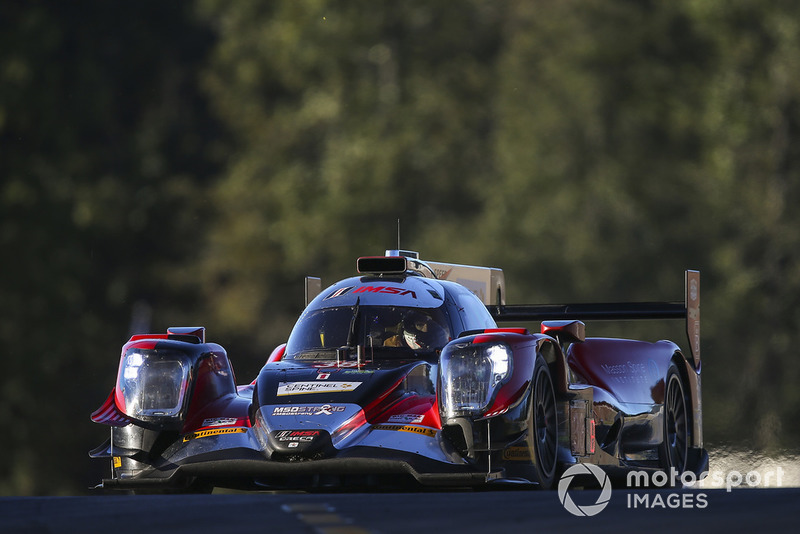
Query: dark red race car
<point>400,376</point>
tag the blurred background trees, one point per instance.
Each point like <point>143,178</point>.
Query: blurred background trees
<point>189,163</point>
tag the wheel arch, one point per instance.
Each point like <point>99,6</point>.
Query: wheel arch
<point>691,381</point>
<point>556,360</point>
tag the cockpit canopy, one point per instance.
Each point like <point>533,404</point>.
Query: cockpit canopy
<point>396,317</point>
<point>390,330</point>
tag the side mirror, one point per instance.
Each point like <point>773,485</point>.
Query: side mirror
<point>565,331</point>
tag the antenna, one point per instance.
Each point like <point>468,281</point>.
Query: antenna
<point>398,234</point>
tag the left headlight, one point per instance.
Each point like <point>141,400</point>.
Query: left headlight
<point>153,383</point>
<point>470,376</point>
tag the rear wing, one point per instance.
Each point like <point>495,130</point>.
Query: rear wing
<point>689,310</point>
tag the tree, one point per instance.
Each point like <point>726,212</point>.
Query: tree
<point>102,133</point>
<point>637,139</point>
<point>347,117</point>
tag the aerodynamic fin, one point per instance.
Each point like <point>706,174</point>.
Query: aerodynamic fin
<point>109,414</point>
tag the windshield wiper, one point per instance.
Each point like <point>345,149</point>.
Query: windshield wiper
<point>351,334</point>
<point>344,352</point>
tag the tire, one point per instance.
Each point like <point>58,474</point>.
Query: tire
<point>674,451</point>
<point>543,426</point>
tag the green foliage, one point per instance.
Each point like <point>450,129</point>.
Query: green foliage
<point>348,116</point>
<point>101,193</point>
<point>189,163</point>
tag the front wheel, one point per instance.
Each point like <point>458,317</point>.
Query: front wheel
<point>543,426</point>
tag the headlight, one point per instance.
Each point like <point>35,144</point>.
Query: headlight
<point>470,375</point>
<point>153,383</point>
<point>262,430</point>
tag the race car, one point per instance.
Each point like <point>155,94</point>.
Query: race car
<point>400,377</point>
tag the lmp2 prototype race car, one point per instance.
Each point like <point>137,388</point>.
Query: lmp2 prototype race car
<point>400,377</point>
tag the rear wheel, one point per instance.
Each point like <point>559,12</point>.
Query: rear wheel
<point>675,448</point>
<point>543,426</point>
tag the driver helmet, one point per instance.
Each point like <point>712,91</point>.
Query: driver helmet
<point>421,332</point>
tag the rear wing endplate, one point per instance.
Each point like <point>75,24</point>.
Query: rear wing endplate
<point>689,310</point>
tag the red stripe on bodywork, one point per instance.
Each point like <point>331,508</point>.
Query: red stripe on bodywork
<point>146,343</point>
<point>416,405</point>
<point>109,414</point>
<point>523,331</point>
<point>139,337</point>
<point>277,354</point>
<point>377,406</point>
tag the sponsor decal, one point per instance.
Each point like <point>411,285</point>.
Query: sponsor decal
<point>303,388</point>
<point>220,421</point>
<point>441,274</point>
<point>213,432</point>
<point>425,431</point>
<point>333,365</point>
<point>517,454</point>
<point>323,376</point>
<point>386,290</point>
<point>324,409</point>
<point>339,292</point>
<point>299,436</point>
<point>629,372</point>
<point>407,418</point>
<point>117,461</point>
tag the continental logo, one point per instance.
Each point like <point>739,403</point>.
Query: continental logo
<point>517,454</point>
<point>430,432</point>
<point>213,432</point>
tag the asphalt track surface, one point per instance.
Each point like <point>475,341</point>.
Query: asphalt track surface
<point>741,510</point>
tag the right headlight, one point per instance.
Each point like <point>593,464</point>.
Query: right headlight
<point>470,375</point>
<point>154,383</point>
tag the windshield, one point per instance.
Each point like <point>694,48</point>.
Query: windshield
<point>384,331</point>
